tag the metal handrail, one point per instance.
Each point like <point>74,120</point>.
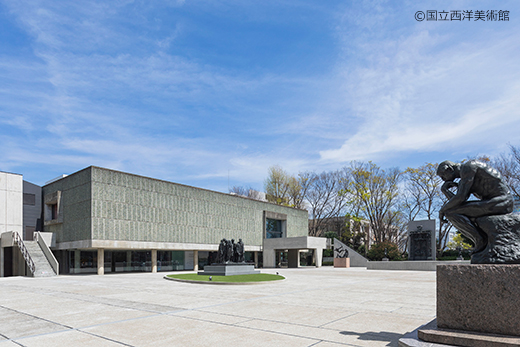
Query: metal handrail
<point>24,251</point>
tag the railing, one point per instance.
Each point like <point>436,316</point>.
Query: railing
<point>46,250</point>
<point>25,253</point>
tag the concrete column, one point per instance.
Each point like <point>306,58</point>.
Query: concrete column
<point>77,261</point>
<point>318,257</point>
<point>128,261</point>
<point>195,260</point>
<point>269,258</point>
<point>1,261</point>
<point>256,259</point>
<point>100,261</point>
<point>293,258</point>
<point>154,260</point>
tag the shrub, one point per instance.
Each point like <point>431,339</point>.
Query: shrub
<point>377,251</point>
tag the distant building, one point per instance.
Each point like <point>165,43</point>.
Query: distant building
<point>339,225</point>
<point>20,212</point>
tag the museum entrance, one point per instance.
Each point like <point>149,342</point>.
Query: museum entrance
<point>282,259</point>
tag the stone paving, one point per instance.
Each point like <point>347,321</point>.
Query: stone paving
<point>313,307</point>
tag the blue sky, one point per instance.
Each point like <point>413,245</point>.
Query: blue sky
<point>211,93</point>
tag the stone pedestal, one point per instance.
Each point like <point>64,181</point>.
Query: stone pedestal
<point>448,337</point>
<point>341,262</point>
<point>477,300</point>
<point>228,269</point>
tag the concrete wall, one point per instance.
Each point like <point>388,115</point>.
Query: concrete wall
<point>74,210</point>
<point>11,210</point>
<point>356,259</point>
<point>102,204</point>
<point>413,265</point>
<point>318,244</point>
<point>31,212</point>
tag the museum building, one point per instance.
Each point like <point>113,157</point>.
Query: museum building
<point>101,221</point>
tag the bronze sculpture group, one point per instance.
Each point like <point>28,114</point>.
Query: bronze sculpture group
<point>488,220</point>
<point>230,252</point>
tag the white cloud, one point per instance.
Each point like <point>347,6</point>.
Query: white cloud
<point>422,93</point>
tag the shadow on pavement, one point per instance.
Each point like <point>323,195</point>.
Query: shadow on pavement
<point>383,336</point>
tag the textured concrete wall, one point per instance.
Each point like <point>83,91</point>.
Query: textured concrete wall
<point>134,208</point>
<point>11,215</point>
<point>74,220</point>
<point>128,207</point>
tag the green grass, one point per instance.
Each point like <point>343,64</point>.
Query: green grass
<point>233,279</point>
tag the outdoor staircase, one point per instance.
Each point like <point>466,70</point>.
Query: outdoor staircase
<point>41,264</point>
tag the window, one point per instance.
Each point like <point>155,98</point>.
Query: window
<point>273,228</point>
<point>29,199</point>
<point>54,211</point>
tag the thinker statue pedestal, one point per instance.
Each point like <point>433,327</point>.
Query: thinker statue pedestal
<point>477,305</point>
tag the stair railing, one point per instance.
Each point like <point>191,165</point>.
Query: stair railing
<point>25,253</point>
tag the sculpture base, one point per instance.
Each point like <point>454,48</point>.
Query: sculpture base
<point>479,298</point>
<point>431,333</point>
<point>341,262</point>
<point>228,269</point>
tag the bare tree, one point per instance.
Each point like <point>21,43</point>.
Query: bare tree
<point>247,192</point>
<point>239,190</point>
<point>325,199</point>
<point>509,167</point>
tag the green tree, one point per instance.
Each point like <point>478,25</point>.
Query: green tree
<point>284,189</point>
<point>353,234</point>
<point>459,241</point>
<point>376,193</point>
<point>277,186</point>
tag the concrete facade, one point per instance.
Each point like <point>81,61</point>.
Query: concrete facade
<point>293,245</point>
<point>11,220</point>
<point>105,205</point>
<point>32,209</point>
<point>97,209</point>
<point>11,211</point>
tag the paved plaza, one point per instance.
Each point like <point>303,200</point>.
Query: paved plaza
<point>321,307</point>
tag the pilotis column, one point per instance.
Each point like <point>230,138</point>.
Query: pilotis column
<point>154,260</point>
<point>100,261</point>
<point>195,260</point>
